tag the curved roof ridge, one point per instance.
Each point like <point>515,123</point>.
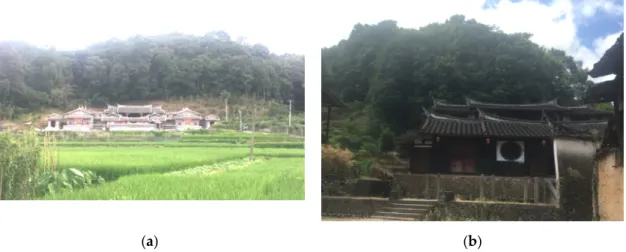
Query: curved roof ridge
<point>497,118</point>
<point>587,122</point>
<point>448,117</point>
<point>437,102</point>
<point>552,102</point>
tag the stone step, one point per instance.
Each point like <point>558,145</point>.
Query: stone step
<point>400,215</point>
<point>391,218</point>
<point>416,206</point>
<point>406,210</point>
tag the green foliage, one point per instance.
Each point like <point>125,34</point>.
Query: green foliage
<point>386,141</point>
<point>273,179</point>
<point>337,164</point>
<point>394,70</point>
<point>191,144</point>
<point>19,165</point>
<point>66,180</point>
<point>607,106</point>
<point>165,67</point>
<point>114,162</point>
<point>363,168</point>
<point>368,149</point>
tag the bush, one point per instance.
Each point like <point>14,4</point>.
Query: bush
<point>337,164</point>
<point>386,141</point>
<point>364,168</point>
<point>66,180</point>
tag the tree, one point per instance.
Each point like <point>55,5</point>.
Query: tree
<point>386,141</point>
<point>145,68</point>
<point>394,71</point>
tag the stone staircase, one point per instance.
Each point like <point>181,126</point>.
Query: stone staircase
<point>405,210</point>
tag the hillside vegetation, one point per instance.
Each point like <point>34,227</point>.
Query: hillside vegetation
<point>385,74</point>
<point>207,72</point>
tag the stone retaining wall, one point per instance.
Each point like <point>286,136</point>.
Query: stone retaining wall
<point>491,188</point>
<point>487,211</point>
<point>351,206</point>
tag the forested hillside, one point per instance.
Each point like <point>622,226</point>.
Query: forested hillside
<point>385,73</point>
<point>145,68</point>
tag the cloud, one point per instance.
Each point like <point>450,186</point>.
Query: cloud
<point>75,24</point>
<point>589,8</point>
<point>552,25</point>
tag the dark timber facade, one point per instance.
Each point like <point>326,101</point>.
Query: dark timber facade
<point>511,140</point>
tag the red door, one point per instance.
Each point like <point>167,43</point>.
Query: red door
<point>463,157</point>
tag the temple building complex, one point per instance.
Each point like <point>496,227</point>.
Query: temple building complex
<point>129,118</point>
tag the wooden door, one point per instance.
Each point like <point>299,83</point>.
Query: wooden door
<point>463,157</point>
<point>420,160</point>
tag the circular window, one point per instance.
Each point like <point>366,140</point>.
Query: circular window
<point>511,150</point>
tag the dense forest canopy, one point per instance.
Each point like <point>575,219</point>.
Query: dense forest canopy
<point>388,72</point>
<point>145,68</point>
<point>385,74</point>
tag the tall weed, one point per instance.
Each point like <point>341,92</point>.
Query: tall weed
<point>19,165</point>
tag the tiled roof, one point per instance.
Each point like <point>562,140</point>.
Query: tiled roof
<point>599,126</point>
<point>612,62</point>
<point>451,126</point>
<point>602,92</point>
<point>496,126</point>
<point>552,105</point>
<point>134,109</point>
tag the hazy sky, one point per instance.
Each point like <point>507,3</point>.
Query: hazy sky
<point>583,28</point>
<point>75,24</point>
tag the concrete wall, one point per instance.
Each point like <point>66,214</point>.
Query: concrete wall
<point>76,128</point>
<point>610,188</point>
<point>132,127</point>
<point>575,162</point>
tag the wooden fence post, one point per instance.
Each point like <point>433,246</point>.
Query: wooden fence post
<point>482,187</point>
<point>493,188</point>
<point>426,196</point>
<point>526,190</point>
<point>438,185</point>
<point>536,190</point>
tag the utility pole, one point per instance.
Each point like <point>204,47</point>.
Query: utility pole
<point>240,121</point>
<point>289,129</point>
<point>253,125</point>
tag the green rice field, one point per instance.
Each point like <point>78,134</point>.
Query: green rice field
<point>263,179</point>
<point>195,170</point>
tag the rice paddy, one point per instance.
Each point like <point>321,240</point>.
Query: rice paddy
<point>264,179</point>
<point>210,167</point>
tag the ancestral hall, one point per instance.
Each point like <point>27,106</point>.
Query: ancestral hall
<point>129,118</point>
<point>512,140</point>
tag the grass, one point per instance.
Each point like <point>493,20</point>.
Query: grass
<point>273,179</point>
<point>299,145</point>
<point>238,138</point>
<point>114,162</point>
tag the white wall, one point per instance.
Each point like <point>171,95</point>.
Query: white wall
<point>184,127</point>
<point>132,127</point>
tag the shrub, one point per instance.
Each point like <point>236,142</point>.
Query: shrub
<point>66,180</point>
<point>364,168</point>
<point>386,141</point>
<point>337,164</point>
